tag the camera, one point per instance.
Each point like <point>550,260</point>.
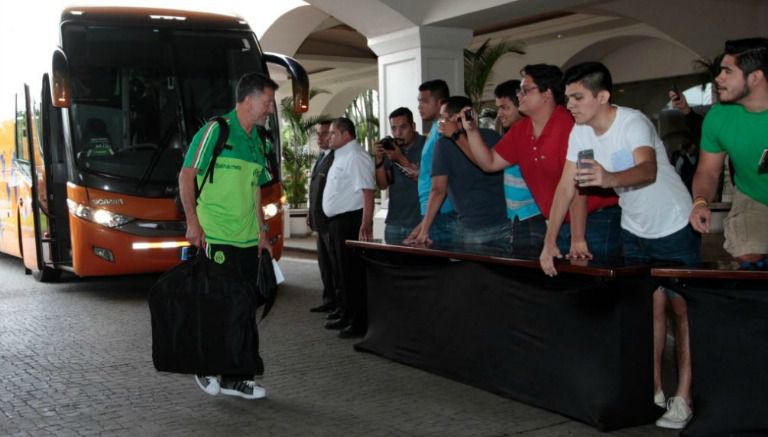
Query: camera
<point>469,115</point>
<point>389,143</point>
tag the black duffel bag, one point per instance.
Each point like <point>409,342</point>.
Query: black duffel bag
<point>203,320</point>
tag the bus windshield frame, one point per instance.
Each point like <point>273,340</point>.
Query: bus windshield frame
<point>139,94</point>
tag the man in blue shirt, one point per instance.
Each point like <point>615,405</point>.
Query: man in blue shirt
<point>432,94</point>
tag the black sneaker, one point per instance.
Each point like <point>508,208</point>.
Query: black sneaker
<point>247,389</point>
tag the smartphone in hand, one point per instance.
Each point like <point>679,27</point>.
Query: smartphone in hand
<point>405,171</point>
<point>583,155</point>
<point>675,90</point>
<point>469,115</point>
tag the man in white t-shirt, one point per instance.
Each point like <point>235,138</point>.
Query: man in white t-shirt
<point>630,157</point>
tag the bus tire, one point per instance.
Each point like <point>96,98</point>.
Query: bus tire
<point>46,274</point>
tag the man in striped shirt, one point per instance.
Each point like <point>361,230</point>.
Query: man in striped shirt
<point>527,235</point>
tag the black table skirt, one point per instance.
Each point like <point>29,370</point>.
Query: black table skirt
<point>578,345</point>
<point>729,352</point>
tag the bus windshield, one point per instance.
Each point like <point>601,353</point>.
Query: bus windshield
<point>140,94</point>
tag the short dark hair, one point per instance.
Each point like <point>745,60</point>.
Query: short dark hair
<point>509,90</point>
<point>402,112</point>
<point>454,104</point>
<point>343,124</point>
<point>751,54</point>
<point>437,88</point>
<point>593,75</point>
<point>253,82</point>
<point>547,77</point>
<point>324,122</point>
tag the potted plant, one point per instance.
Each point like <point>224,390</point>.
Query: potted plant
<point>297,161</point>
<point>478,66</point>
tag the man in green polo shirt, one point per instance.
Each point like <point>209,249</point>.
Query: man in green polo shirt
<point>226,220</point>
<point>738,127</point>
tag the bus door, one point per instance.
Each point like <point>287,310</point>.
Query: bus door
<point>34,223</point>
<point>53,200</point>
<point>26,182</point>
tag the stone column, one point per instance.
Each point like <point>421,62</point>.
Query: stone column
<point>410,57</point>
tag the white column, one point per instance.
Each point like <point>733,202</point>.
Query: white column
<point>410,57</point>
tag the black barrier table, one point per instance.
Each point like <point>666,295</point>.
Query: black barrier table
<point>728,320</point>
<point>579,344</point>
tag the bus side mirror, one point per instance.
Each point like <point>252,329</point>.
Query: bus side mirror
<point>300,95</point>
<point>299,79</point>
<point>61,89</point>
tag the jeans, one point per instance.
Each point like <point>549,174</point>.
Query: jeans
<point>683,246</point>
<point>494,235</point>
<point>395,234</point>
<point>443,229</point>
<point>603,234</point>
<point>528,236</point>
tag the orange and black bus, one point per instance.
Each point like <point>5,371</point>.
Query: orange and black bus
<point>90,162</point>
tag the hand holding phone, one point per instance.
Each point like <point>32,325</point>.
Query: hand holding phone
<point>405,171</point>
<point>675,90</point>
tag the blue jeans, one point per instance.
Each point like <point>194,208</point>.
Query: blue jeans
<point>684,247</point>
<point>494,235</point>
<point>395,234</point>
<point>443,229</point>
<point>603,234</point>
<point>528,235</point>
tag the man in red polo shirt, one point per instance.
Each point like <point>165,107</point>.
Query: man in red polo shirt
<point>538,144</point>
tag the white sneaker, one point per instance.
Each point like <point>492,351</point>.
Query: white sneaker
<point>659,399</point>
<point>246,389</point>
<point>209,384</point>
<point>677,416</point>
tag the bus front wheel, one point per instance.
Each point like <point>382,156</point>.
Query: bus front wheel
<point>46,274</point>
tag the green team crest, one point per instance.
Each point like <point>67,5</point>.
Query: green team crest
<point>219,257</point>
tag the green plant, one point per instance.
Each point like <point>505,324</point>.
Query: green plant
<point>363,112</point>
<point>478,66</point>
<point>297,159</point>
<point>296,164</point>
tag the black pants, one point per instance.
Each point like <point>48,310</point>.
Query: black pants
<point>245,262</point>
<point>350,268</point>
<point>325,263</point>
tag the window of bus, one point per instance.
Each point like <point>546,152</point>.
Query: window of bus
<point>22,145</point>
<point>140,94</point>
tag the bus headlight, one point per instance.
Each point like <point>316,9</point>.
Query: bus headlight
<point>270,210</point>
<point>98,216</point>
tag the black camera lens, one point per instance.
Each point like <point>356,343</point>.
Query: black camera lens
<point>388,143</point>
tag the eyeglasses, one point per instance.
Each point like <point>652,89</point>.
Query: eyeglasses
<point>523,91</point>
<point>445,120</point>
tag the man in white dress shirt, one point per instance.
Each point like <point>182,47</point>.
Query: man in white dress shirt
<point>348,203</point>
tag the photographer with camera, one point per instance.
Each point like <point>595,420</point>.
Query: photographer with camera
<point>397,169</point>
